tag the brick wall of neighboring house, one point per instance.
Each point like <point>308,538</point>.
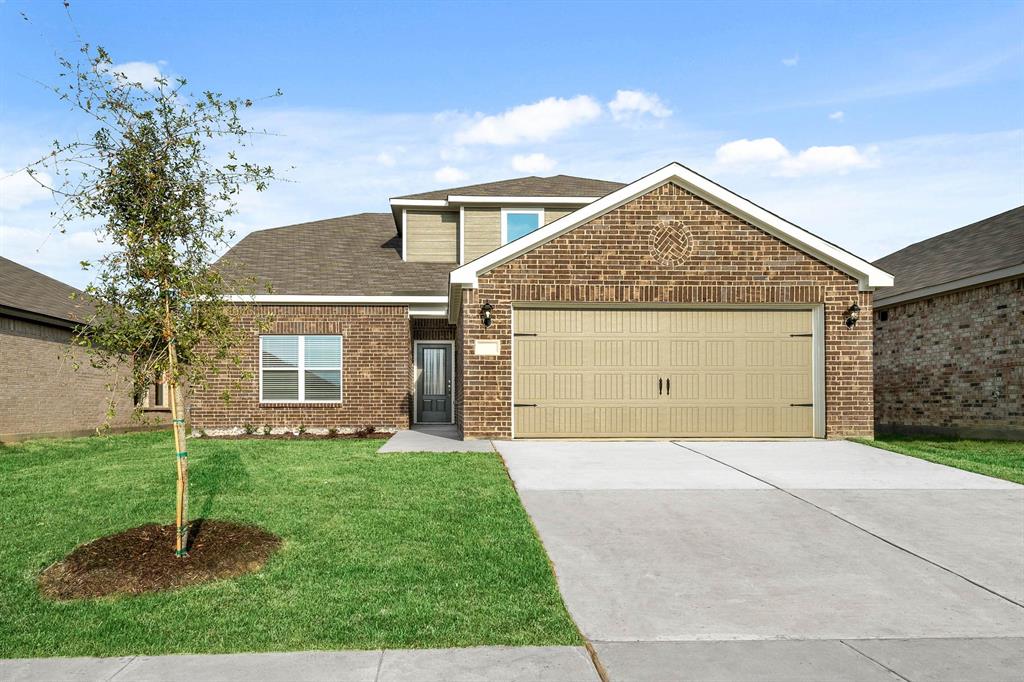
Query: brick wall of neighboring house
<point>41,394</point>
<point>609,260</point>
<point>375,373</point>
<point>953,364</point>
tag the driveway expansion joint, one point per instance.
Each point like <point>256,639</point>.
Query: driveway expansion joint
<point>875,661</point>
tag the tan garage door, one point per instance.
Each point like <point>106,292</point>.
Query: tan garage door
<point>662,373</point>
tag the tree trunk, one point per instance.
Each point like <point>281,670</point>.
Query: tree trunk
<point>178,417</point>
<point>180,445</point>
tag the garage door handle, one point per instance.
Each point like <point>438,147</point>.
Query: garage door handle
<point>668,387</point>
<point>659,386</point>
<point>801,404</point>
<point>524,404</point>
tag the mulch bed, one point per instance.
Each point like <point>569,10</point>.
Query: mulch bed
<point>141,560</point>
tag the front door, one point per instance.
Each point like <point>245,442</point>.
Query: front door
<point>433,383</point>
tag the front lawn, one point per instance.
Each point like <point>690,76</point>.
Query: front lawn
<point>998,458</point>
<point>399,550</point>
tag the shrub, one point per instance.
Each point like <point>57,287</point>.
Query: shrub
<point>249,429</point>
<point>366,431</point>
<point>301,430</point>
<point>266,429</point>
<point>332,432</point>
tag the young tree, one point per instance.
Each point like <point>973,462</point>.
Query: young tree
<point>147,176</point>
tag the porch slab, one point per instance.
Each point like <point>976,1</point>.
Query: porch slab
<point>434,438</point>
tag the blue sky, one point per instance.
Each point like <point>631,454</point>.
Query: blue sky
<point>872,124</point>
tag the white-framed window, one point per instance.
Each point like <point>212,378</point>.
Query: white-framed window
<point>300,369</point>
<point>519,222</point>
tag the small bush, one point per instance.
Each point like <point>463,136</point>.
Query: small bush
<point>249,429</point>
<point>366,431</point>
<point>301,430</point>
<point>332,432</point>
<point>266,429</point>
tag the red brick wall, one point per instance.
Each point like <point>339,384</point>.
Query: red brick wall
<point>953,364</point>
<point>611,260</point>
<point>375,372</point>
<point>42,394</point>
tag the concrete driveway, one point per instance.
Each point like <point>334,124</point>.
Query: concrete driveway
<point>765,560</point>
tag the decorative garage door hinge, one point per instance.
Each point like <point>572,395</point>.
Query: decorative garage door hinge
<point>524,404</point>
<point>523,334</point>
<point>801,334</point>
<point>801,404</point>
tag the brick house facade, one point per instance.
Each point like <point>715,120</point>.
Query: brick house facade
<point>42,394</point>
<point>952,364</point>
<point>585,243</point>
<point>609,260</point>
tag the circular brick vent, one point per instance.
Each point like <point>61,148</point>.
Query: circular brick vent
<point>671,242</point>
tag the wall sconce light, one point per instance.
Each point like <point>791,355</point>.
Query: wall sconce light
<point>852,315</point>
<point>485,313</point>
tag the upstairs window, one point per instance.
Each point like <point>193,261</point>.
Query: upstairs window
<point>519,222</point>
<point>300,369</point>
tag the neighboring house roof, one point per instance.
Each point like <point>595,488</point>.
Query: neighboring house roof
<point>533,186</point>
<point>23,290</point>
<point>984,251</point>
<point>358,255</point>
<point>867,274</point>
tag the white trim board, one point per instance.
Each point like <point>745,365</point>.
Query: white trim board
<point>315,298</point>
<point>867,274</point>
<point>954,285</point>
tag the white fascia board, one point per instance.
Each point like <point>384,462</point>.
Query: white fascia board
<point>428,309</point>
<point>947,287</point>
<point>533,201</point>
<point>314,299</point>
<point>418,203</point>
<point>867,274</point>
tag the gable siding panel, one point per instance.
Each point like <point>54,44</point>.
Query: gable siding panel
<point>432,237</point>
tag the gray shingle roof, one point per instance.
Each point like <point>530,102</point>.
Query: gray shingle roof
<point>985,246</point>
<point>533,186</point>
<point>358,255</point>
<point>25,289</point>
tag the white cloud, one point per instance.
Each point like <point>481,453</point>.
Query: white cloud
<point>632,103</point>
<point>386,159</point>
<point>743,152</point>
<point>449,174</point>
<point>817,160</point>
<point>533,163</point>
<point>791,61</point>
<point>145,73</point>
<point>19,189</point>
<point>770,154</point>
<point>535,122</point>
<point>837,116</point>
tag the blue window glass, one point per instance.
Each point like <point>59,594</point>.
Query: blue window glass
<point>520,224</point>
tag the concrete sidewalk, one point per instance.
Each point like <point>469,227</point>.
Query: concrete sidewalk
<point>434,438</point>
<point>512,664</point>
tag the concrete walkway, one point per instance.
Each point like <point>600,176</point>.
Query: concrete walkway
<point>513,664</point>
<point>780,560</point>
<point>433,438</point>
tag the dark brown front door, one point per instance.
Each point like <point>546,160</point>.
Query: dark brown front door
<point>433,383</point>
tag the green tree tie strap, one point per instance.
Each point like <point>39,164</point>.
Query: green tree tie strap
<point>178,421</point>
<point>183,454</point>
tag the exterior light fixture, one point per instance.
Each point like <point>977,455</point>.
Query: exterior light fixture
<point>485,313</point>
<point>852,315</point>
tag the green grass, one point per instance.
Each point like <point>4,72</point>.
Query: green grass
<point>399,550</point>
<point>998,458</point>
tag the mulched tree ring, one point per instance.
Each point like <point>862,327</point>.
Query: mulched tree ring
<point>141,560</point>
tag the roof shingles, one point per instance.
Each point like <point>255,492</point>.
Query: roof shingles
<point>988,245</point>
<point>357,255</point>
<point>533,186</point>
<point>25,289</point>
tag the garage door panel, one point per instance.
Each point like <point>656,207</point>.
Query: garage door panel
<point>662,373</point>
